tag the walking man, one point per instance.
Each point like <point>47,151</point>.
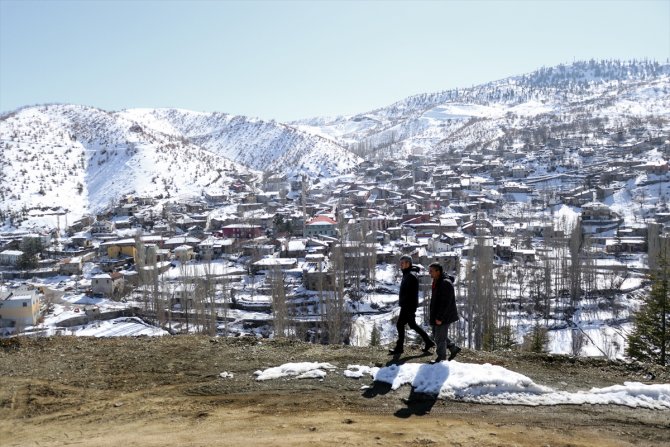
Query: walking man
<point>443,312</point>
<point>408,299</point>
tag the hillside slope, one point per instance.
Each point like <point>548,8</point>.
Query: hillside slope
<point>257,144</point>
<point>581,97</point>
<point>80,160</point>
<point>77,160</point>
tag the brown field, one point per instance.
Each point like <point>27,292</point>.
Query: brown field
<point>166,391</point>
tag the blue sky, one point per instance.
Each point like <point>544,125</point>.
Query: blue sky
<point>287,60</point>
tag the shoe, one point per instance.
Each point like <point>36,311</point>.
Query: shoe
<point>453,352</point>
<point>437,360</point>
<point>430,345</point>
<point>394,352</point>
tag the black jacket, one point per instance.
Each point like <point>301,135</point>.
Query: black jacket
<point>408,298</point>
<point>443,302</point>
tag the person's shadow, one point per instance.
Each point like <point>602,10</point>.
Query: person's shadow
<point>377,388</point>
<point>420,403</point>
<point>380,387</point>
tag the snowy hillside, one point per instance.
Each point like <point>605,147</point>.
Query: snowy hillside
<point>81,158</point>
<point>257,144</point>
<point>617,93</point>
<point>78,160</point>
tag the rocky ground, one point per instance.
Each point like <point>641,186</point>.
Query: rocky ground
<point>167,391</point>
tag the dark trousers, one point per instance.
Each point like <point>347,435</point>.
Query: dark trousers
<point>409,319</point>
<point>442,340</point>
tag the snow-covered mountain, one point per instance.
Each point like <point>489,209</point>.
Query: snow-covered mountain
<point>256,144</point>
<point>83,158</point>
<point>605,95</point>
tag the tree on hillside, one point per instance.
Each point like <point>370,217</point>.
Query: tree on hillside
<point>31,248</point>
<point>537,339</point>
<point>375,335</point>
<point>338,319</point>
<point>575,273</point>
<point>280,317</point>
<point>482,293</point>
<point>650,340</point>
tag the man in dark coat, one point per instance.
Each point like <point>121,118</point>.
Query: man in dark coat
<point>443,312</point>
<point>408,299</point>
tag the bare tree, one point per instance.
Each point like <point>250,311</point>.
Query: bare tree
<point>577,343</point>
<point>208,288</point>
<point>483,296</point>
<point>653,244</point>
<point>140,264</point>
<point>338,320</point>
<point>279,308</point>
<point>576,244</point>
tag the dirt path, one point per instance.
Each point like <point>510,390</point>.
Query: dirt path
<point>167,392</point>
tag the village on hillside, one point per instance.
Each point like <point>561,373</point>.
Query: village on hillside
<point>557,237</point>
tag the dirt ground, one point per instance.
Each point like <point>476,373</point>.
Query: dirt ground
<point>167,391</point>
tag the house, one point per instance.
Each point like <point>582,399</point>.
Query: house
<point>107,284</point>
<point>524,255</point>
<point>295,248</point>
<point>276,183</point>
<point>658,167</point>
<point>102,227</point>
<point>453,238</point>
<point>274,263</point>
<point>359,197</point>
<point>503,248</point>
<point>183,296</point>
<point>242,231</point>
<point>626,245</point>
<point>10,257</point>
<point>195,206</point>
<point>580,198</point>
<point>317,246</point>
<point>321,225</point>
<point>216,196</point>
<point>518,171</point>
<point>259,247</point>
<point>450,260</point>
<point>212,248</point>
<point>172,243</point>
<point>80,224</point>
<point>436,245</point>
<point>81,240</point>
<point>515,187</point>
<point>381,237</point>
<point>316,278</point>
<point>19,308</point>
<point>120,248</point>
<point>184,253</point>
<point>598,212</point>
<point>71,266</point>
<point>126,210</point>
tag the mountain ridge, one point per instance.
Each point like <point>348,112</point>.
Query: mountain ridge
<point>88,157</point>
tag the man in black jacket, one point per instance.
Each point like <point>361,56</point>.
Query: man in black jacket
<point>443,312</point>
<point>408,299</point>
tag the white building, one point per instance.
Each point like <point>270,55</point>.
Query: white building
<point>10,257</point>
<point>321,225</point>
<point>19,308</point>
